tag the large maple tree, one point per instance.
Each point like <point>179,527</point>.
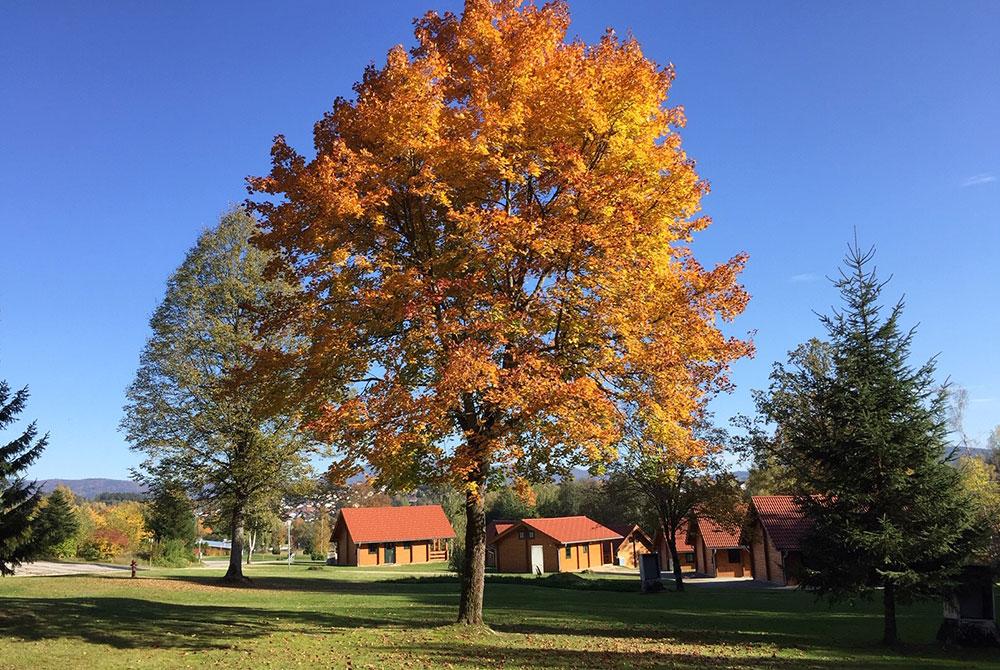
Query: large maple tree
<point>494,241</point>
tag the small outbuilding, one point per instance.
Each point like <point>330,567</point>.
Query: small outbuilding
<point>635,542</point>
<point>718,551</point>
<point>559,544</point>
<point>392,535</point>
<point>776,530</point>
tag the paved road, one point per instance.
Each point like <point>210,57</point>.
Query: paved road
<point>53,569</point>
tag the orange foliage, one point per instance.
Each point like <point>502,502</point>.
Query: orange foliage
<point>494,240</point>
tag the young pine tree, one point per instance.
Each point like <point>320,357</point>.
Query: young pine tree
<point>18,498</point>
<point>866,439</point>
<point>56,525</point>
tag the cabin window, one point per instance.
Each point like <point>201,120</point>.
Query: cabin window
<point>586,550</point>
<point>735,556</point>
<point>689,557</point>
<point>531,534</point>
<point>372,548</point>
<point>569,552</point>
<point>520,534</point>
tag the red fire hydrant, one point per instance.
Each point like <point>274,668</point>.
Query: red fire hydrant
<point>133,568</point>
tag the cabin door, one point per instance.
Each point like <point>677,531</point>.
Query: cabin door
<point>390,554</point>
<point>537,559</point>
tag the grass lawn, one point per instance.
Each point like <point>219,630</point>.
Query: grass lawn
<point>396,618</point>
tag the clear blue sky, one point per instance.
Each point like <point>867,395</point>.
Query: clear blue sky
<point>128,127</point>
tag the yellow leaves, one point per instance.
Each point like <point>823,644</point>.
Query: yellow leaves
<point>497,229</point>
<point>524,491</point>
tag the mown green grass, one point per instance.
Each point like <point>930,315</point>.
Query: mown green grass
<point>394,618</point>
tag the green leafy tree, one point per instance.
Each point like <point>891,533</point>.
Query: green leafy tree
<point>194,408</point>
<point>982,482</point>
<point>57,524</point>
<point>675,480</point>
<point>505,503</point>
<point>321,534</point>
<point>18,497</point>
<point>769,479</point>
<point>866,438</point>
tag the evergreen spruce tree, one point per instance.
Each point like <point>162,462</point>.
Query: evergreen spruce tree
<point>18,497</point>
<point>170,515</point>
<point>56,525</point>
<point>866,438</point>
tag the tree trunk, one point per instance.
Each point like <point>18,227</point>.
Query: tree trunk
<point>669,536</point>
<point>470,608</point>
<point>235,572</point>
<point>889,634</point>
<point>251,544</point>
<point>676,560</point>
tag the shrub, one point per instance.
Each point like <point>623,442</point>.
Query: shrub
<point>456,559</point>
<point>171,554</point>
<point>105,544</point>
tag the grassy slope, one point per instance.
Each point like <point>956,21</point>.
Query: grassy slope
<point>379,618</point>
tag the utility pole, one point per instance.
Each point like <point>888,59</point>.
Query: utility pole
<point>289,541</point>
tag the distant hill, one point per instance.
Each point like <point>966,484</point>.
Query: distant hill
<point>91,488</point>
<point>973,452</point>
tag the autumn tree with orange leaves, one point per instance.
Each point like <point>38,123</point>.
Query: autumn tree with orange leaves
<point>493,238</point>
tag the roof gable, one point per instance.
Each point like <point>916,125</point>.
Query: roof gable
<point>634,531</point>
<point>396,524</point>
<point>715,536</point>
<point>566,529</point>
<point>785,522</point>
<point>498,527</point>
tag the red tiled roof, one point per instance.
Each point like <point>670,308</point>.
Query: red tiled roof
<point>494,528</point>
<point>785,522</point>
<point>396,524</point>
<point>716,536</point>
<point>622,529</point>
<point>680,539</point>
<point>570,529</point>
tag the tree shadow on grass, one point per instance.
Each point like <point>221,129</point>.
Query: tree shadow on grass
<point>726,617</point>
<point>430,592</point>
<point>624,655</point>
<point>129,623</point>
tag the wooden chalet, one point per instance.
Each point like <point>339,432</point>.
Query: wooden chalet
<point>560,544</point>
<point>685,551</point>
<point>635,542</point>
<point>718,551</point>
<point>391,535</point>
<point>776,529</point>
